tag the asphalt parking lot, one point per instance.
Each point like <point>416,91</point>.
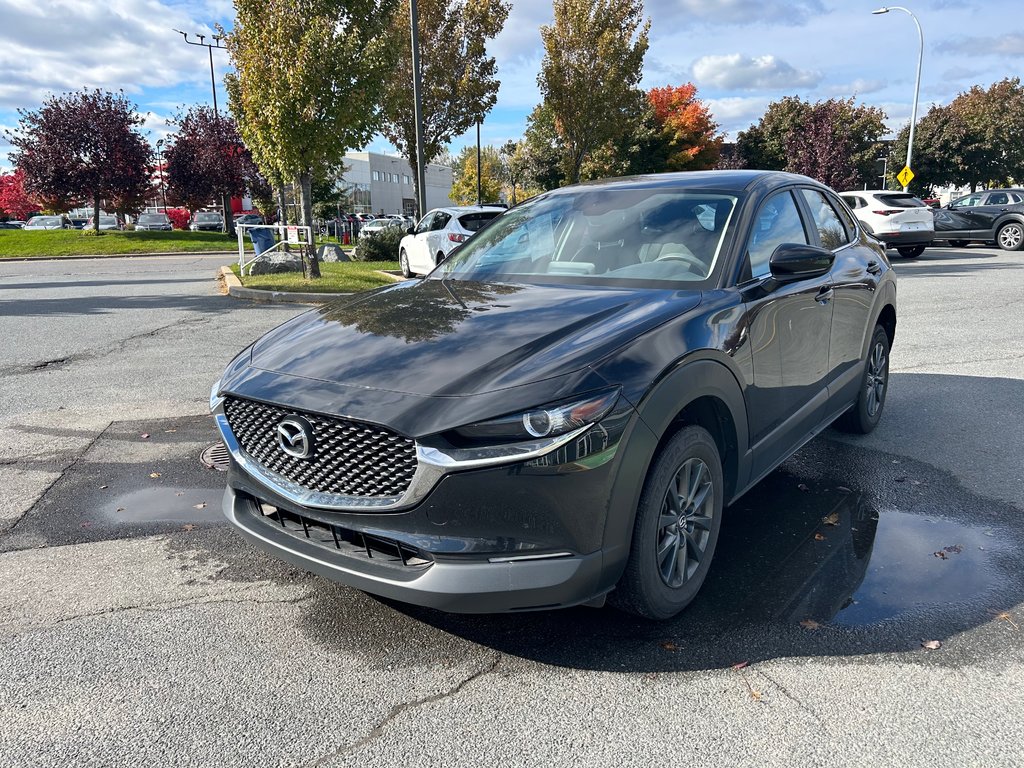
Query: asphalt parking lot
<point>138,630</point>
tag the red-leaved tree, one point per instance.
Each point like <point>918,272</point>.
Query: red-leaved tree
<point>690,133</point>
<point>822,148</point>
<point>15,202</point>
<point>206,159</point>
<point>82,146</point>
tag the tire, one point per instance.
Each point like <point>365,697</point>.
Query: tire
<point>403,260</point>
<point>864,415</point>
<point>1011,236</point>
<point>911,251</point>
<point>959,243</point>
<point>668,563</point>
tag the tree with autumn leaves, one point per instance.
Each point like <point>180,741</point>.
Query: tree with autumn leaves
<point>83,146</point>
<point>15,202</point>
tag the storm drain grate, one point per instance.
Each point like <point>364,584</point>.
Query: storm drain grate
<point>216,457</point>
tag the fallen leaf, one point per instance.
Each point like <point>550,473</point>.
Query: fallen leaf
<point>956,549</point>
<point>200,505</point>
<point>86,525</point>
<point>896,461</point>
<point>740,664</point>
<point>179,493</point>
<point>803,487</point>
<point>810,624</point>
<point>819,537</point>
<point>755,694</point>
<point>154,474</point>
<point>102,487</point>
<point>119,509</point>
<point>931,645</point>
<point>1005,616</point>
<point>832,519</point>
<point>170,430</point>
<point>145,435</point>
<point>668,645</point>
<point>188,527</point>
<point>941,555</point>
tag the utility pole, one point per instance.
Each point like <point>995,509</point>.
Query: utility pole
<point>229,222</point>
<point>479,200</point>
<point>417,106</point>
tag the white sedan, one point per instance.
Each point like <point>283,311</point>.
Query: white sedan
<point>439,233</point>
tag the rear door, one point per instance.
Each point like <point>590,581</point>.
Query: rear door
<point>790,325</point>
<point>437,237</point>
<point>419,260</point>
<point>992,207</point>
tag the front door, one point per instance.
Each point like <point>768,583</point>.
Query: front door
<point>790,324</point>
<point>960,220</point>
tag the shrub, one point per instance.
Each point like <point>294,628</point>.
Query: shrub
<point>379,247</point>
<point>179,217</point>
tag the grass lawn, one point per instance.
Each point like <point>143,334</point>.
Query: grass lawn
<point>338,277</point>
<point>71,242</point>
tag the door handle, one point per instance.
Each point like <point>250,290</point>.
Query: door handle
<point>874,267</point>
<point>824,296</point>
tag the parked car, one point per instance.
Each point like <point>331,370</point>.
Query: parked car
<point>377,226</point>
<point>153,222</point>
<point>207,221</point>
<point>107,222</point>
<point>439,233</point>
<point>79,222</point>
<point>48,222</point>
<point>249,218</point>
<point>562,410</point>
<point>10,225</point>
<point>991,215</point>
<point>898,219</point>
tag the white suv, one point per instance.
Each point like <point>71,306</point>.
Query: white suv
<point>898,219</point>
<point>439,233</point>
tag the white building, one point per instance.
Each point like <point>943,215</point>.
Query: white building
<point>378,183</point>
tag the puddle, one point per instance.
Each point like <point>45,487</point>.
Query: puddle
<point>831,557</point>
<point>167,504</point>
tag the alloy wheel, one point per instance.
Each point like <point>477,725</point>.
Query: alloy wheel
<point>878,371</point>
<point>1010,237</point>
<point>684,527</point>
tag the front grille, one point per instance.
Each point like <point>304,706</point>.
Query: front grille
<point>349,458</point>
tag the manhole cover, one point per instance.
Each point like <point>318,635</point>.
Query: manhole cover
<point>216,457</point>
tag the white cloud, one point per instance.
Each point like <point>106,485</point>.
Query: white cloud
<point>1010,44</point>
<point>65,45</point>
<point>745,73</point>
<point>737,113</point>
<point>857,88</point>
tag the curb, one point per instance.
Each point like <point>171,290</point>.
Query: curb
<point>239,291</point>
<point>74,257</point>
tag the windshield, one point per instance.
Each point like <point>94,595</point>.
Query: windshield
<point>152,218</point>
<point>43,221</point>
<point>207,217</point>
<point>108,220</point>
<point>596,235</point>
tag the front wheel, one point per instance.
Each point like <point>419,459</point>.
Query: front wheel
<point>864,414</point>
<point>1011,236</point>
<point>911,251</point>
<point>676,528</point>
<point>403,260</point>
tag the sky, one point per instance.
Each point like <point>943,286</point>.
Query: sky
<point>741,54</point>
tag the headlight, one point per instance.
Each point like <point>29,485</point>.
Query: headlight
<point>547,421</point>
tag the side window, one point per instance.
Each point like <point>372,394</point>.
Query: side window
<point>425,222</point>
<point>830,228</point>
<point>967,202</point>
<point>997,198</point>
<point>848,221</point>
<point>777,222</point>
<point>440,221</point>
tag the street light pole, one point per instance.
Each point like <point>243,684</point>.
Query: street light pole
<point>417,107</point>
<point>160,159</point>
<point>917,82</point>
<point>229,227</point>
<point>479,200</point>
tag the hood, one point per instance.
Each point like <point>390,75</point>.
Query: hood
<point>452,338</point>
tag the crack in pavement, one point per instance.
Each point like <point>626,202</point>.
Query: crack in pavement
<point>407,706</point>
<point>71,465</point>
<point>782,689</point>
<point>117,346</point>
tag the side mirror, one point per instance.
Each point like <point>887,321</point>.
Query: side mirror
<point>796,261</point>
<point>410,230</point>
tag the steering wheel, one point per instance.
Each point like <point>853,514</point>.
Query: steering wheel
<point>692,262</point>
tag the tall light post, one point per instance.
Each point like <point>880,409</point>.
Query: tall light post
<point>229,227</point>
<point>160,159</point>
<point>417,108</point>
<point>917,83</point>
<point>479,201</point>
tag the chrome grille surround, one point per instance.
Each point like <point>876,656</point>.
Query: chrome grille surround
<point>350,458</point>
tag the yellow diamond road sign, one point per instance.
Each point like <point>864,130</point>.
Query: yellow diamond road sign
<point>905,176</point>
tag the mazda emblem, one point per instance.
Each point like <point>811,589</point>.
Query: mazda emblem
<point>295,437</point>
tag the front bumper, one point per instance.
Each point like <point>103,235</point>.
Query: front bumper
<point>467,586</point>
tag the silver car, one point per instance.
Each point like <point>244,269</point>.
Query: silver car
<point>48,222</point>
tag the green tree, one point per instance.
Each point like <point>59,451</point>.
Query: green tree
<point>543,149</point>
<point>492,176</point>
<point>458,76</point>
<point>593,60</point>
<point>308,86</point>
<point>763,145</point>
